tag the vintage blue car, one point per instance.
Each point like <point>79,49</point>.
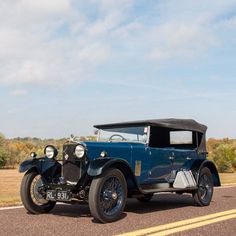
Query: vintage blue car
<point>130,159</point>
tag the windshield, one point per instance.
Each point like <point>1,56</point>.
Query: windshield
<point>124,134</point>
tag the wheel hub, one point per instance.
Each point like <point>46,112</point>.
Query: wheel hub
<point>114,196</point>
<point>110,195</point>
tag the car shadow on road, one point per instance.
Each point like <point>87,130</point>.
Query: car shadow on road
<point>76,211</point>
<point>159,202</point>
<point>72,210</point>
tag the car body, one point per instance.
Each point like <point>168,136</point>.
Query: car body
<point>130,159</point>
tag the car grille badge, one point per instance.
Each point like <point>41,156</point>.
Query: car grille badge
<point>66,156</point>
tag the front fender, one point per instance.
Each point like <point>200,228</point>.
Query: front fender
<point>40,164</point>
<point>98,166</point>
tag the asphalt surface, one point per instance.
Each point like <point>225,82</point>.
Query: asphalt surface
<point>163,209</point>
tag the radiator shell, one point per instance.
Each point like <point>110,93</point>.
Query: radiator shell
<point>72,167</point>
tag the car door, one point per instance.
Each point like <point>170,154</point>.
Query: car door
<point>160,164</point>
<point>183,141</point>
<point>181,157</point>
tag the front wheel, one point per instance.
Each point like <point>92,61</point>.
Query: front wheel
<point>107,196</point>
<point>31,198</point>
<point>203,195</point>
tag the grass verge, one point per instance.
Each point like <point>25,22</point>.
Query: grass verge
<point>10,187</point>
<point>228,178</point>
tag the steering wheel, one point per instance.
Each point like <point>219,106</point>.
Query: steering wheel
<point>118,135</point>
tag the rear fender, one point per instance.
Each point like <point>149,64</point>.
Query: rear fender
<point>199,164</point>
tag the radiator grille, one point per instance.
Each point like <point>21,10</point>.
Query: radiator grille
<point>72,166</point>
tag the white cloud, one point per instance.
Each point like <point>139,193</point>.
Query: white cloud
<point>33,15</point>
<point>189,29</point>
<point>50,42</point>
<point>19,92</point>
<point>174,40</point>
<point>46,6</point>
<point>34,48</point>
<point>111,6</point>
<point>27,72</point>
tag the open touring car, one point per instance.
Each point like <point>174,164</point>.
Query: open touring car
<point>130,159</point>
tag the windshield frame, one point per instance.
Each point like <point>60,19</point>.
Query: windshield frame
<point>146,142</point>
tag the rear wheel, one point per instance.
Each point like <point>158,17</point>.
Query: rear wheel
<point>107,196</point>
<point>31,198</point>
<point>203,195</point>
<point>145,198</point>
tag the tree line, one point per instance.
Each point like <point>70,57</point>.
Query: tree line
<point>14,151</point>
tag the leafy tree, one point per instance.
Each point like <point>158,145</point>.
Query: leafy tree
<point>3,151</point>
<point>225,157</point>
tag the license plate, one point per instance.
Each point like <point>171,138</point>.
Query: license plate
<point>58,195</point>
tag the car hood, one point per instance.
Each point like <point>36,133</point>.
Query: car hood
<point>121,150</point>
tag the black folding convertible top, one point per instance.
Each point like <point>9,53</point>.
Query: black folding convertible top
<point>176,124</point>
<point>181,124</point>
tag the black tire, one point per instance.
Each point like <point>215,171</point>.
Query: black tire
<point>203,195</point>
<point>145,198</point>
<point>109,189</point>
<point>32,200</point>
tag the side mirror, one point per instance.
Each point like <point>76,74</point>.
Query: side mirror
<point>33,155</point>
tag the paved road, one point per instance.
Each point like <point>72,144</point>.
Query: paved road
<point>163,209</point>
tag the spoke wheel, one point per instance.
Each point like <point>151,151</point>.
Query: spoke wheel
<point>31,198</point>
<point>203,194</point>
<point>107,196</point>
<point>36,197</point>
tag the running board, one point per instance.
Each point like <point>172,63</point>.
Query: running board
<point>148,191</point>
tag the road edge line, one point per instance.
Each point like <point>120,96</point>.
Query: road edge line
<point>10,208</point>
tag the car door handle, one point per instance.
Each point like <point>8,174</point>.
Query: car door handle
<point>171,158</point>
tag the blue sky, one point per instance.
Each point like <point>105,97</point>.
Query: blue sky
<point>67,64</point>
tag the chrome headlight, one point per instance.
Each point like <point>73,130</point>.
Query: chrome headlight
<point>79,151</point>
<point>50,151</point>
